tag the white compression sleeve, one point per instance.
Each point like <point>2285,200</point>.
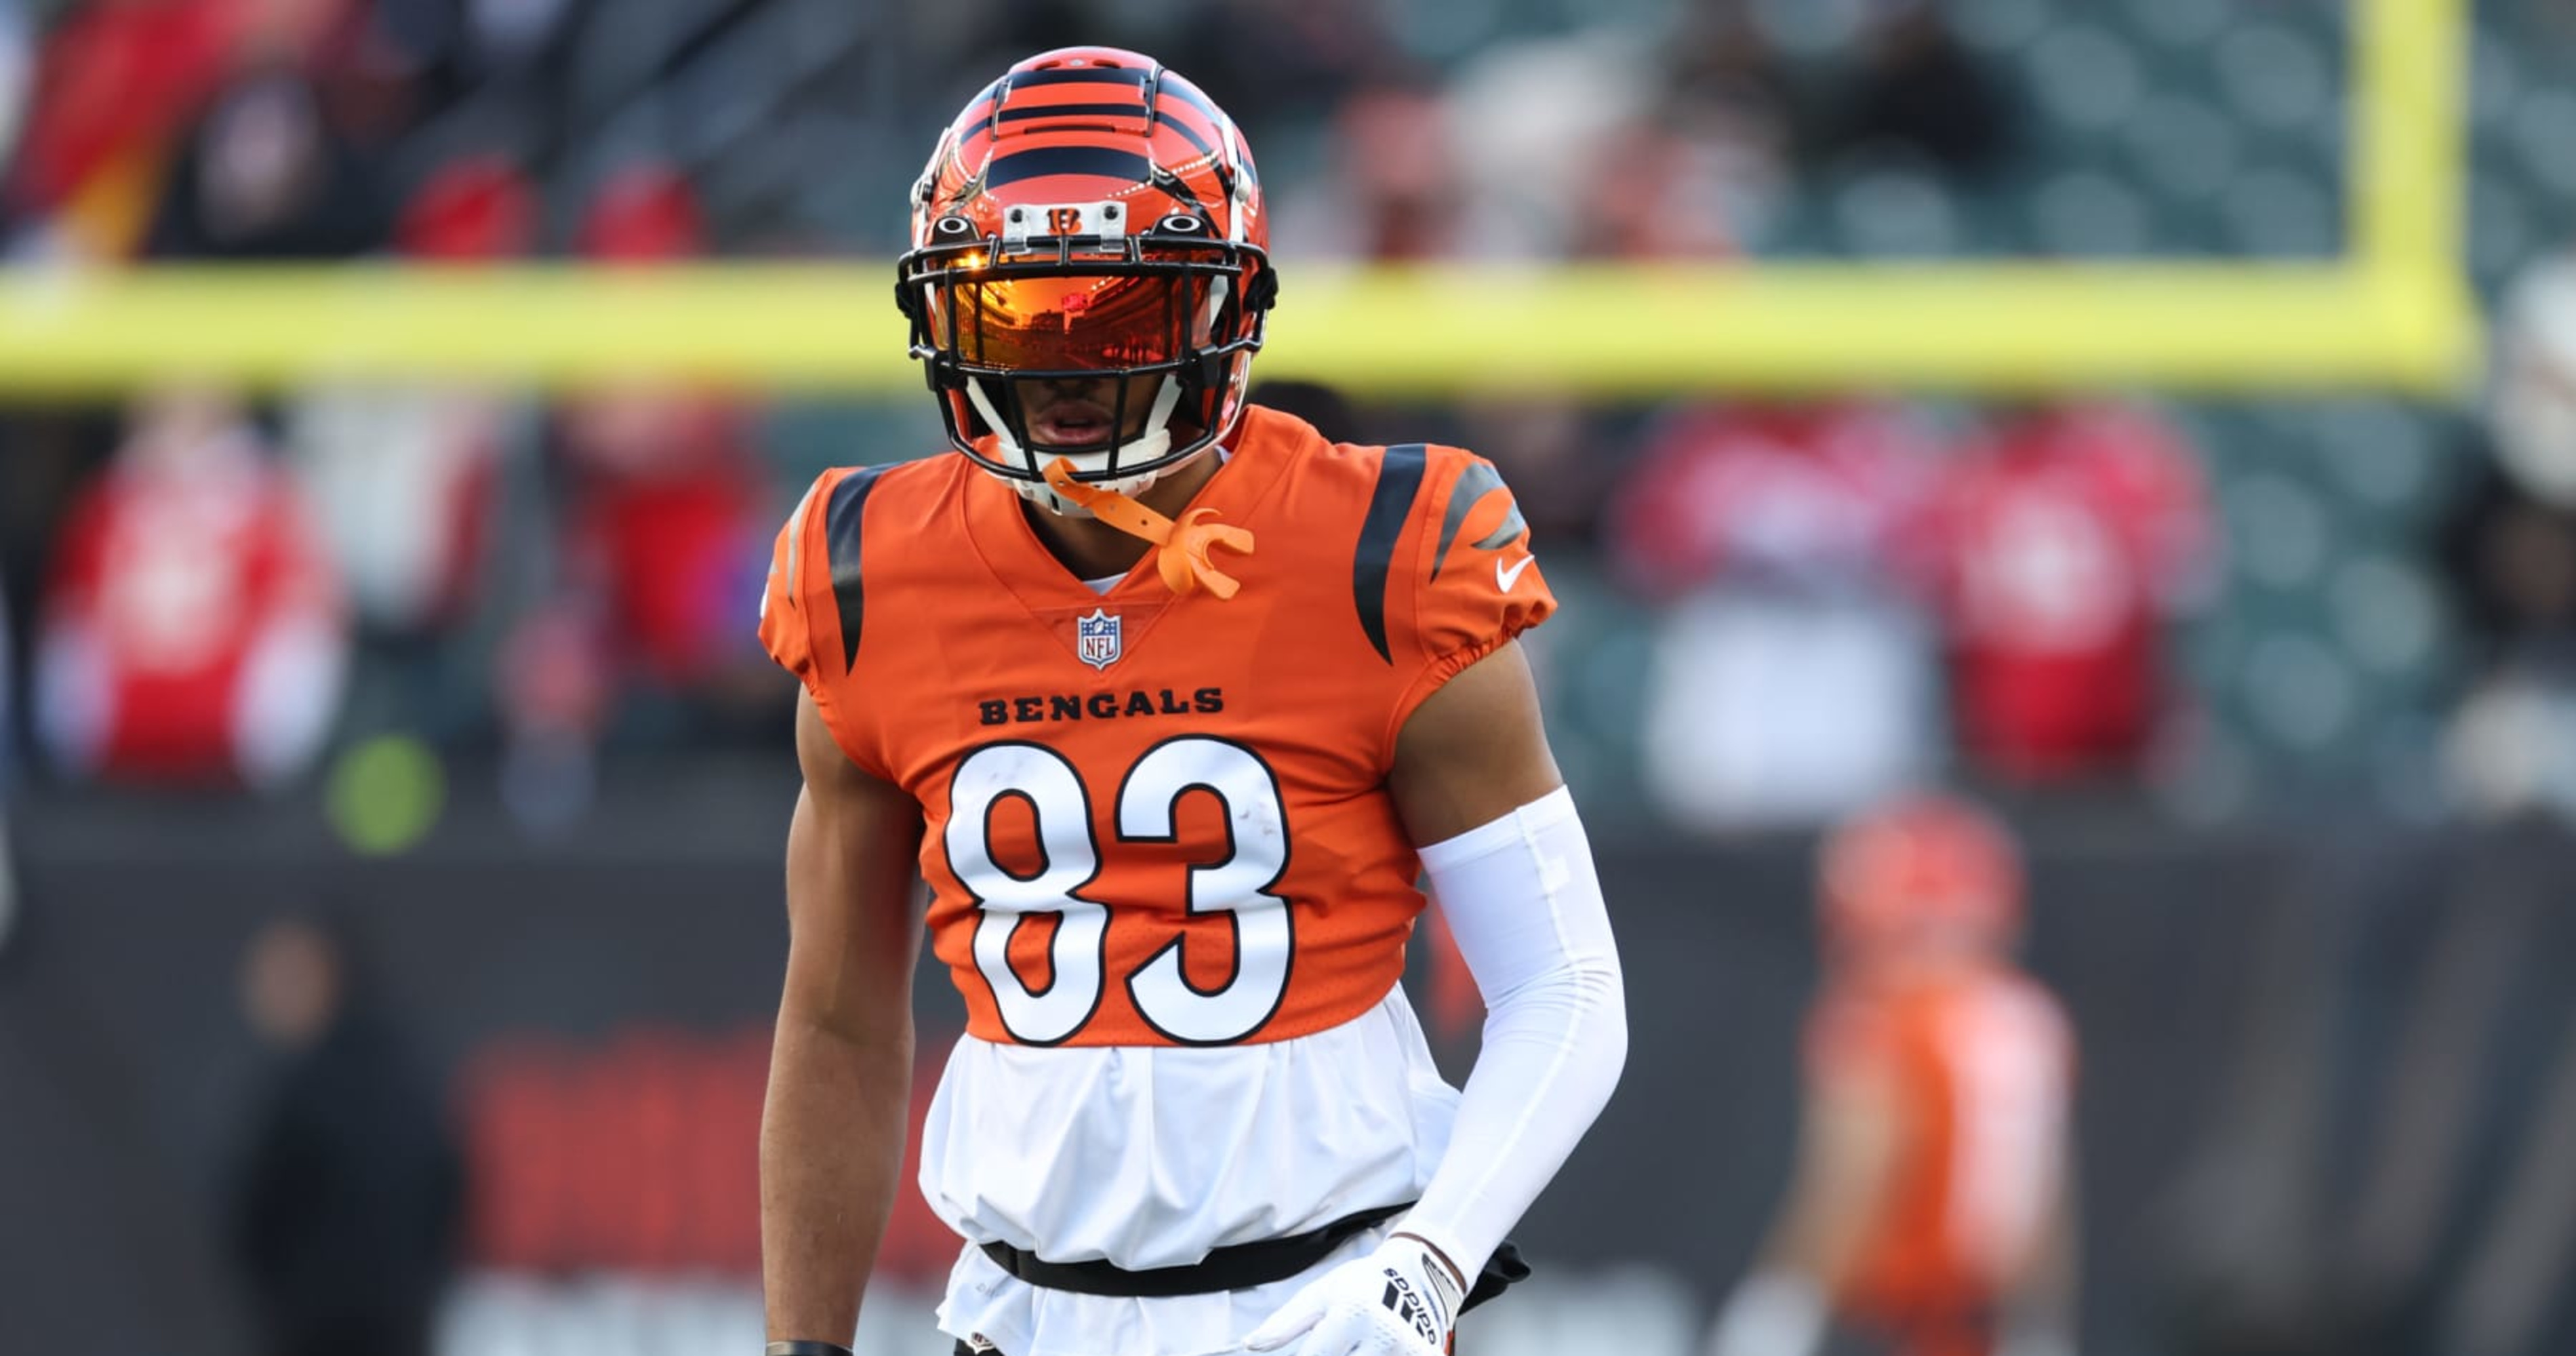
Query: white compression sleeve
<point>1523,901</point>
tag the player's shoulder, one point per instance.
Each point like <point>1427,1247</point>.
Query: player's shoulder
<point>1394,473</point>
<point>2004,1003</point>
<point>850,508</point>
<point>820,565</point>
<point>1397,524</point>
<point>843,491</point>
<point>1406,491</point>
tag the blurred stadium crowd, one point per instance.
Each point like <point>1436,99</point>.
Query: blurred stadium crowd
<point>2212,614</point>
<point>2233,604</point>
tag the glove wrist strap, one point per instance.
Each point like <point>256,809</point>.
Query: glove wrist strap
<point>1444,1273</point>
<point>802,1348</point>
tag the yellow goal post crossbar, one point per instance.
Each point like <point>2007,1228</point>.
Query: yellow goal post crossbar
<point>2394,313</point>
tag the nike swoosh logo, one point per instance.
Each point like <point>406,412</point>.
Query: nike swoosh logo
<point>1504,578</point>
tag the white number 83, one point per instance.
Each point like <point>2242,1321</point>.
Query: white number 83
<point>1148,799</point>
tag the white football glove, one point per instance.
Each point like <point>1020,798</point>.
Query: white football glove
<point>1400,1300</point>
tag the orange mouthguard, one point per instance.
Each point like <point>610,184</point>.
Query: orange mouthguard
<point>1182,547</point>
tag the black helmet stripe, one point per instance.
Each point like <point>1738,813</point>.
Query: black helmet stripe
<point>1072,112</point>
<point>1188,133</point>
<point>1187,93</point>
<point>1037,162</point>
<point>1082,75</point>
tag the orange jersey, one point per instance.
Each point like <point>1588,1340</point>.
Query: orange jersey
<point>1979,1066</point>
<point>1150,819</point>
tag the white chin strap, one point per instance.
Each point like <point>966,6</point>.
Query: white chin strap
<point>1150,442</point>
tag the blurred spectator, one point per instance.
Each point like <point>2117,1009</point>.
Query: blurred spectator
<point>1668,186</point>
<point>671,506</point>
<point>1528,125</point>
<point>405,479</point>
<point>1793,672</point>
<point>2532,406</point>
<point>1933,1199</point>
<point>192,628</point>
<point>668,509</point>
<point>265,175</point>
<point>1919,88</point>
<point>116,81</point>
<point>1398,195</point>
<point>2511,551</point>
<point>643,214</point>
<point>2069,537</point>
<point>476,209</point>
<point>347,1216</point>
<point>430,57</point>
<point>662,527</point>
<point>1276,59</point>
<point>1729,103</point>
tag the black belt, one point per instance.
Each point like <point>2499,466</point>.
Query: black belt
<point>1238,1266</point>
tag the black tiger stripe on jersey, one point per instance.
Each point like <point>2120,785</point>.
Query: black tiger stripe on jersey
<point>1477,481</point>
<point>1399,483</point>
<point>842,519</point>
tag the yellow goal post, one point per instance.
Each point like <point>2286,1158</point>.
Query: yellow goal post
<point>2393,313</point>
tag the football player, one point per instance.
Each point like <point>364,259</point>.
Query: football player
<point>1170,701</point>
<point>1931,1207</point>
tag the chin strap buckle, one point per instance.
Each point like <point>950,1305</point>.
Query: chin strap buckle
<point>1182,547</point>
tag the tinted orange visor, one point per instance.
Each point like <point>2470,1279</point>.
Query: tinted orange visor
<point>1081,322</point>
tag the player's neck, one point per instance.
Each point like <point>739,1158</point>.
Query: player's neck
<point>1093,549</point>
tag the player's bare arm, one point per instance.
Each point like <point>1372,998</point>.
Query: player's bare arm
<point>1846,1158</point>
<point>831,1134</point>
<point>1474,751</point>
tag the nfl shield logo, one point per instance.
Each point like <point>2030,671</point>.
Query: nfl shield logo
<point>1096,638</point>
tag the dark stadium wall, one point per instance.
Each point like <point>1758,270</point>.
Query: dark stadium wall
<point>598,1011</point>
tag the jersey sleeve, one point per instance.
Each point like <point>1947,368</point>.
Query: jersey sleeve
<point>799,621</point>
<point>1476,582</point>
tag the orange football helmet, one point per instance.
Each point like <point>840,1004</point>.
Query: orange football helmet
<point>1925,872</point>
<point>1089,215</point>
